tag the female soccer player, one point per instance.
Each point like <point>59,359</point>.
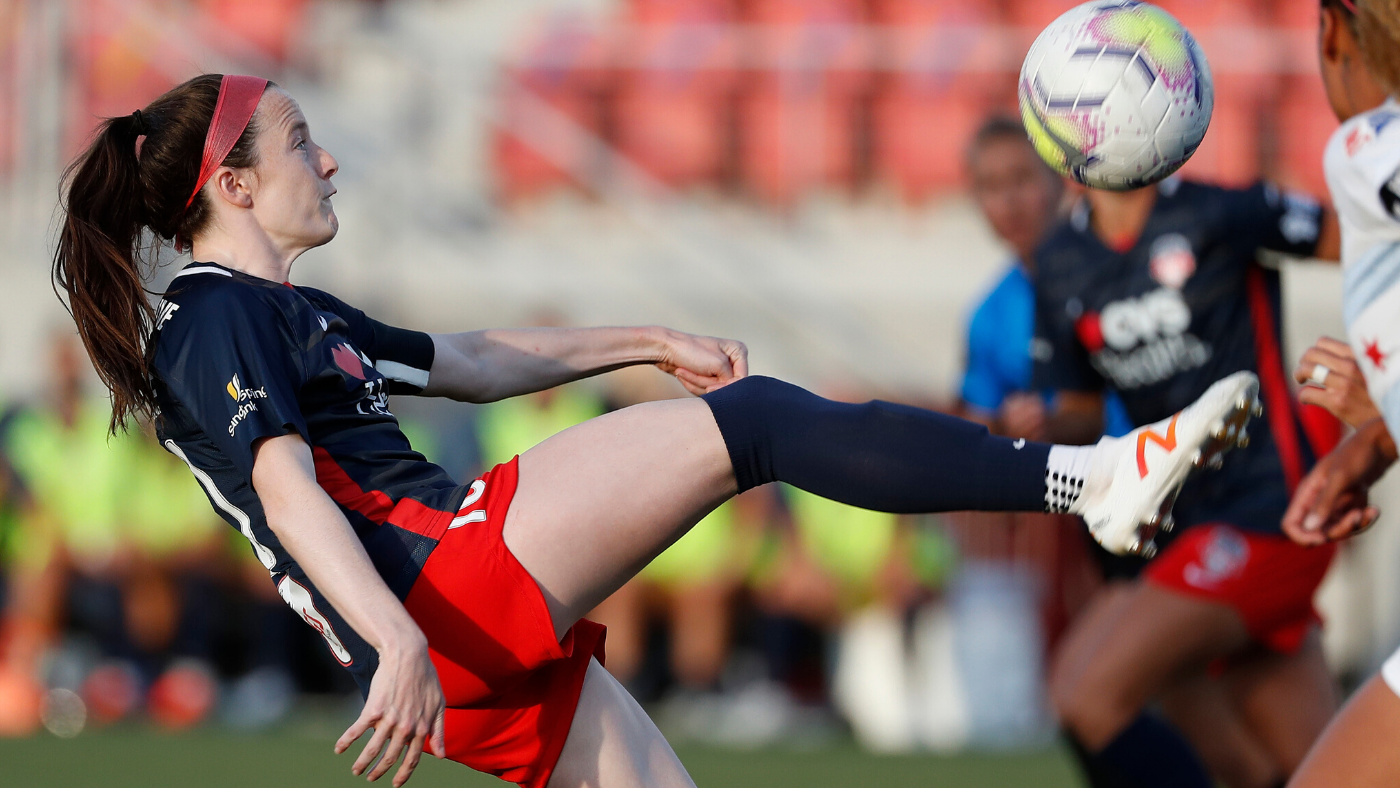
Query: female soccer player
<point>1359,45</point>
<point>458,608</point>
<point>1151,295</point>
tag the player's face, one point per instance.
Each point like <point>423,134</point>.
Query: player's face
<point>293,194</point>
<point>1015,191</point>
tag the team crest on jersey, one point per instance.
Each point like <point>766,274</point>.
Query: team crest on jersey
<point>1172,261</point>
<point>1222,557</point>
<point>376,399</point>
<point>1357,138</point>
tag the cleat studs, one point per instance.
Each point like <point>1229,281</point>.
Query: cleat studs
<point>1258,409</point>
<point>1135,545</point>
<point>1243,441</point>
<point>1168,523</point>
<point>1148,550</point>
<point>1215,462</point>
<point>1218,433</point>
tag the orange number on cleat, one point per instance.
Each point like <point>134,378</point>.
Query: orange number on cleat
<point>1168,443</point>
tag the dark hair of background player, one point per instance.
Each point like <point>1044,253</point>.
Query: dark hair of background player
<point>997,127</point>
<point>126,191</point>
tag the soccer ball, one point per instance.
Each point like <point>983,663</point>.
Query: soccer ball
<point>1115,94</point>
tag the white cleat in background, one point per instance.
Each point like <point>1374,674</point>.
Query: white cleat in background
<point>1134,480</point>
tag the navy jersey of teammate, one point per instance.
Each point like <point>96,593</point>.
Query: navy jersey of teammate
<point>253,356</point>
<point>1185,305</point>
<point>998,350</point>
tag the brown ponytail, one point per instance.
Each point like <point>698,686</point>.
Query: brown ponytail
<point>118,206</point>
<point>1378,32</point>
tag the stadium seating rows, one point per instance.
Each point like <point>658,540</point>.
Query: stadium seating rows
<point>773,99</point>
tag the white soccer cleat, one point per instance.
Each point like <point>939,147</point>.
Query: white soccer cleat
<point>1132,484</point>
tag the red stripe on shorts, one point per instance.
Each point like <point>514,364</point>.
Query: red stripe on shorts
<point>1278,400</point>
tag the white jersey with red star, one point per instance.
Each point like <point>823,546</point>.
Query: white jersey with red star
<point>1362,162</point>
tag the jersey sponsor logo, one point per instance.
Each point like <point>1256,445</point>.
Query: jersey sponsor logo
<point>1173,261</point>
<point>299,599</point>
<point>1168,443</point>
<point>1140,341</point>
<point>1224,555</point>
<point>246,396</point>
<point>164,312</point>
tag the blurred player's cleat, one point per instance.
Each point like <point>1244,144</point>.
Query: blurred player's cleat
<point>1128,494</point>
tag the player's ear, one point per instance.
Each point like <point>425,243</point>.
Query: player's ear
<point>1329,34</point>
<point>233,186</point>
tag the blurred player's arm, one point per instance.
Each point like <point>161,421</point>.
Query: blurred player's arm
<point>1061,363</point>
<point>1331,502</point>
<point>489,365</point>
<point>1076,418</point>
<point>1287,222</point>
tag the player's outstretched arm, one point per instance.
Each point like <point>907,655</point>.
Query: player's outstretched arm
<point>489,365</point>
<point>405,704</point>
<point>1331,501</point>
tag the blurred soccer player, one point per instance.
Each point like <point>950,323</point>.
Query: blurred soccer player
<point>1152,295</point>
<point>1359,48</point>
<point>458,609</point>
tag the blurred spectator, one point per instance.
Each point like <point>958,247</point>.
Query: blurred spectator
<point>126,539</point>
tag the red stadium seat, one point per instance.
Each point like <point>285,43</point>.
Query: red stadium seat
<point>1304,122</point>
<point>550,114</point>
<point>675,79</point>
<point>945,66</point>
<point>798,116</point>
<point>270,25</point>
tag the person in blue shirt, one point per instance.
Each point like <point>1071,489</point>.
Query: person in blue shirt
<point>1019,197</point>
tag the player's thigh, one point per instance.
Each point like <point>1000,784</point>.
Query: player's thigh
<point>613,744</point>
<point>1203,708</point>
<point>1357,750</point>
<point>1156,635</point>
<point>598,501</point>
<point>1286,698</point>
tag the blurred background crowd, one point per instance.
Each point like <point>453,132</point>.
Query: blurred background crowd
<point>799,174</point>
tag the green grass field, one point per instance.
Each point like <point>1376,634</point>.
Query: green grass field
<point>302,758</point>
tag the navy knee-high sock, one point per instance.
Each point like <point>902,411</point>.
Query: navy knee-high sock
<point>1151,753</point>
<point>876,455</point>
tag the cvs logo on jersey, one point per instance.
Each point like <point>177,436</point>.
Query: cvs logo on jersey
<point>376,399</point>
<point>1140,341</point>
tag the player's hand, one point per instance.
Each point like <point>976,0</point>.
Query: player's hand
<point>405,707</point>
<point>1342,389</point>
<point>1331,502</point>
<point>702,364</point>
<point>1023,416</point>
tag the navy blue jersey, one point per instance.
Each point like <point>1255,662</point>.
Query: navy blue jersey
<point>1186,305</point>
<point>237,358</point>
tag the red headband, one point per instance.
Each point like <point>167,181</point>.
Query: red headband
<point>1351,6</point>
<point>238,99</point>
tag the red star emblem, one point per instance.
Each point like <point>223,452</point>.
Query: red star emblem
<point>1373,352</point>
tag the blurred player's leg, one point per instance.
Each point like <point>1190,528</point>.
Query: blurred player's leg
<point>1287,699</point>
<point>613,743</point>
<point>1358,748</point>
<point>1202,707</point>
<point>1155,635</point>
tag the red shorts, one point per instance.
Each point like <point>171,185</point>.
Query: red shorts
<point>511,687</point>
<point>1267,579</point>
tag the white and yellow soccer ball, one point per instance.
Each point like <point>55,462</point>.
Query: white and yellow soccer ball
<point>1116,94</point>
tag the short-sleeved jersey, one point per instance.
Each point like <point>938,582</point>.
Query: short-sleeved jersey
<point>999,350</point>
<point>1186,305</point>
<point>1362,162</point>
<point>236,359</point>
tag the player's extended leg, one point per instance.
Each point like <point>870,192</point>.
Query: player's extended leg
<point>1357,750</point>
<point>613,743</point>
<point>1203,708</point>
